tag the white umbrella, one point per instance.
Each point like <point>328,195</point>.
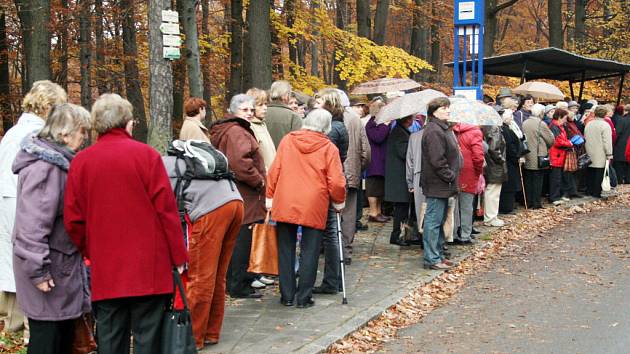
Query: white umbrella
<point>540,90</point>
<point>411,103</point>
<point>475,112</point>
<point>384,85</point>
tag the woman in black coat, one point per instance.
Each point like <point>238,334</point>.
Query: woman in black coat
<point>395,176</point>
<point>513,152</point>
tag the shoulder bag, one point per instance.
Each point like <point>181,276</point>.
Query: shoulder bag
<point>177,334</point>
<point>606,179</point>
<point>543,161</point>
<point>263,257</point>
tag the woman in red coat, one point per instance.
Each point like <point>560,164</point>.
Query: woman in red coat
<point>120,211</point>
<point>470,141</point>
<point>559,184</point>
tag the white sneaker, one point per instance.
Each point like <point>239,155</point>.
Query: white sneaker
<point>558,202</point>
<point>496,222</point>
<point>256,284</point>
<point>566,199</point>
<point>267,281</point>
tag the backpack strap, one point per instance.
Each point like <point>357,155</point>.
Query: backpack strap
<point>180,186</point>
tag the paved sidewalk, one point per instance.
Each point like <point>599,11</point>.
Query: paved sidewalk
<point>380,275</point>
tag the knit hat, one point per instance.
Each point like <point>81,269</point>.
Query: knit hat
<point>573,104</point>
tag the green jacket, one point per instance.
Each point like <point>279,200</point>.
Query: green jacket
<point>281,120</point>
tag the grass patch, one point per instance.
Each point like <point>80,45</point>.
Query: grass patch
<point>486,237</point>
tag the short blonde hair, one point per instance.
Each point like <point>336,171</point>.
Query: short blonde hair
<point>279,90</point>
<point>260,96</point>
<point>509,103</point>
<point>43,95</point>
<point>538,110</point>
<point>111,111</point>
<point>63,120</point>
<point>332,101</point>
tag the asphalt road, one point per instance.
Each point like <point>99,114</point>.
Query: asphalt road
<point>567,291</point>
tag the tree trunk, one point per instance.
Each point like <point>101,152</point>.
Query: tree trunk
<point>236,48</point>
<point>363,18</point>
<point>490,30</point>
<point>380,21</point>
<point>160,81</point>
<point>85,53</point>
<point>289,7</point>
<point>314,43</point>
<point>554,13</point>
<point>35,19</point>
<point>5,91</point>
<point>418,46</point>
<point>580,17</point>
<point>133,87</point>
<point>195,78</point>
<point>435,44</point>
<point>258,17</point>
<point>341,20</point>
<point>205,59</point>
<point>101,76</point>
<point>276,50</point>
<point>61,76</point>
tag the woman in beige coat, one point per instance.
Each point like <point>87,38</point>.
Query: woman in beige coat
<point>267,148</point>
<point>540,138</point>
<point>598,136</point>
<point>193,129</point>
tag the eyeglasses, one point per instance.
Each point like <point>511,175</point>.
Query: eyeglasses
<point>246,109</point>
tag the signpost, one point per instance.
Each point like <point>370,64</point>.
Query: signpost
<point>468,45</point>
<point>171,39</point>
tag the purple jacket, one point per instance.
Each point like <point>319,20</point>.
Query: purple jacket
<point>377,136</point>
<point>42,249</point>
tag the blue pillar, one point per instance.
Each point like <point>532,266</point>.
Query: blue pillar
<point>468,32</point>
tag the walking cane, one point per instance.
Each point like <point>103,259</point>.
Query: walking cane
<point>343,265</point>
<point>520,169</point>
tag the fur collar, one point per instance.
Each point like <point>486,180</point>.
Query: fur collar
<point>47,151</point>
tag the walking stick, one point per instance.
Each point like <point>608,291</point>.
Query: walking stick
<point>520,169</point>
<point>343,265</point>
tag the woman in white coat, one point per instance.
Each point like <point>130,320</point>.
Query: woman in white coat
<point>36,105</point>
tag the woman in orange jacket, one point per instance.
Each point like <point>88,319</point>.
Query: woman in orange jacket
<point>304,178</point>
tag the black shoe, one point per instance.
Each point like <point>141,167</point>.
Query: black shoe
<point>415,242</point>
<point>447,254</point>
<point>286,302</point>
<point>252,295</point>
<point>576,195</point>
<point>306,305</point>
<point>463,242</point>
<point>401,243</point>
<point>361,227</point>
<point>475,231</point>
<point>323,290</point>
<point>347,261</point>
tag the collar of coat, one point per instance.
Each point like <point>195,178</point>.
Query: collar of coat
<point>440,123</point>
<point>279,105</point>
<point>196,122</point>
<point>234,119</point>
<point>47,151</point>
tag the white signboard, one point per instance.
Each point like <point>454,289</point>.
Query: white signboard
<point>466,11</point>
<point>170,16</point>
<point>171,53</point>
<point>171,41</point>
<point>169,28</point>
<point>470,94</point>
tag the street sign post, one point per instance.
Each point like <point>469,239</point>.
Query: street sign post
<point>468,21</point>
<point>171,40</point>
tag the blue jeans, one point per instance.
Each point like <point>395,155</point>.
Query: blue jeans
<point>433,236</point>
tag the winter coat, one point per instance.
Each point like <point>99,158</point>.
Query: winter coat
<point>521,116</point>
<point>612,129</point>
<point>470,139</point>
<point>539,138</point>
<point>561,144</point>
<point>120,211</point>
<point>9,147</point>
<point>235,138</point>
<point>42,249</point>
<point>358,149</point>
<point>623,134</point>
<point>598,136</point>
<point>395,166</point>
<point>513,152</point>
<point>281,120</point>
<point>267,147</point>
<point>377,136</point>
<point>193,129</point>
<point>413,162</point>
<point>441,160</point>
<point>495,171</point>
<point>304,179</point>
<point>339,136</point>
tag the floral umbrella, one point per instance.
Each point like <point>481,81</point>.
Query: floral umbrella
<point>411,103</point>
<point>387,84</point>
<point>466,111</point>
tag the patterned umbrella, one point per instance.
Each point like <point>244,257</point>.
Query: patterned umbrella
<point>540,90</point>
<point>384,85</point>
<point>411,103</point>
<point>464,110</point>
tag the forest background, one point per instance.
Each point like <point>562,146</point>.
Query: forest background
<point>95,46</point>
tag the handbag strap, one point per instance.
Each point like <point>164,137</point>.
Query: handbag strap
<point>178,285</point>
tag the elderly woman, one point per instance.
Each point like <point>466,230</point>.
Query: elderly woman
<point>267,148</point>
<point>216,211</point>
<point>50,276</point>
<point>377,134</point>
<point>513,153</point>
<point>36,105</point>
<point>120,211</point>
<point>193,128</point>
<point>540,138</point>
<point>560,182</point>
<point>236,139</point>
<point>305,158</point>
<point>599,146</point>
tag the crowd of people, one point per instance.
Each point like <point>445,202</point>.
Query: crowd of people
<point>97,229</point>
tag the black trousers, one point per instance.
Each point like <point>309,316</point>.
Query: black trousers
<point>309,257</point>
<point>561,184</point>
<point>117,319</point>
<point>401,213</point>
<point>50,337</point>
<point>506,202</point>
<point>332,263</point>
<point>594,178</point>
<point>239,280</point>
<point>623,171</point>
<point>534,187</point>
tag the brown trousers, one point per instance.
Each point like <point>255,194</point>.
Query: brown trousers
<point>209,251</point>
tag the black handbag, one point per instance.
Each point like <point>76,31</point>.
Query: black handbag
<point>543,161</point>
<point>177,334</point>
<point>524,147</point>
<point>583,161</point>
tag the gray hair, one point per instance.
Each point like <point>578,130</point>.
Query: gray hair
<point>279,90</point>
<point>238,100</point>
<point>538,110</point>
<point>63,120</point>
<point>562,105</point>
<point>111,111</point>
<point>318,120</point>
